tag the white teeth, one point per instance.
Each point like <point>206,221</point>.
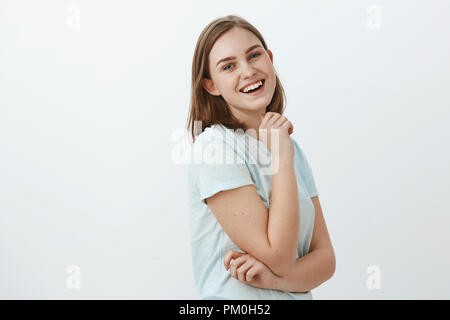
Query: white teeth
<point>253,86</point>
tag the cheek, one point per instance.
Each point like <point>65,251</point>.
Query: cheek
<point>230,85</point>
<point>266,67</point>
<point>225,83</point>
<point>266,63</point>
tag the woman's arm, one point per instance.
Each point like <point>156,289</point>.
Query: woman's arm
<point>284,215</point>
<point>270,236</point>
<point>307,273</point>
<point>318,265</point>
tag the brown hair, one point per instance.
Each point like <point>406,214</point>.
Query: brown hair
<point>211,109</point>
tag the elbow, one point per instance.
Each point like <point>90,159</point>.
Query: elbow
<point>332,264</point>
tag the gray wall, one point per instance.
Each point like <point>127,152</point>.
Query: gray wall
<point>92,93</point>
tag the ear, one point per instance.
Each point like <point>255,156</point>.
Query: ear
<point>270,55</point>
<point>209,86</point>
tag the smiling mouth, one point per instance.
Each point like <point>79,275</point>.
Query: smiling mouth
<point>257,90</point>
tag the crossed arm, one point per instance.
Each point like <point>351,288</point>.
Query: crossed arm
<point>307,272</point>
<point>270,235</point>
<point>316,267</point>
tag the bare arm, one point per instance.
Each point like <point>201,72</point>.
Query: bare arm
<point>284,216</point>
<point>308,272</point>
<point>316,267</point>
<point>270,236</point>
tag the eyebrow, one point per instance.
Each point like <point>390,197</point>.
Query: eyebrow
<point>231,58</point>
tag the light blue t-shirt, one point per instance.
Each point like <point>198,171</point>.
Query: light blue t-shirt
<point>223,159</point>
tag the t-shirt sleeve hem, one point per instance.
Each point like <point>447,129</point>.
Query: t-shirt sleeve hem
<point>311,190</point>
<point>222,187</point>
<point>313,194</point>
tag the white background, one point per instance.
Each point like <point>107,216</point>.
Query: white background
<point>92,91</point>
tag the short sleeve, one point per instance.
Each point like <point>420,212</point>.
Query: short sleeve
<point>305,171</point>
<point>221,168</point>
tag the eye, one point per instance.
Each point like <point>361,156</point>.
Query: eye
<point>256,53</point>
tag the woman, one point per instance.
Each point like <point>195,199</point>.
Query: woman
<point>257,231</point>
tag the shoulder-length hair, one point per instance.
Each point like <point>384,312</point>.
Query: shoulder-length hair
<point>210,109</point>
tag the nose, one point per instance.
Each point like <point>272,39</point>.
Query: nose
<point>248,71</point>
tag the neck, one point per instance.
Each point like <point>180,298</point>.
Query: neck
<point>251,120</point>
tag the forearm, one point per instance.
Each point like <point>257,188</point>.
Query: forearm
<point>308,272</point>
<point>284,217</point>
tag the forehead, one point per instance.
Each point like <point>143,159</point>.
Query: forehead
<point>232,43</point>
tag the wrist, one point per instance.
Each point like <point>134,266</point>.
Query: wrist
<point>283,163</point>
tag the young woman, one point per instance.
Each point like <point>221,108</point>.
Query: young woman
<point>255,233</point>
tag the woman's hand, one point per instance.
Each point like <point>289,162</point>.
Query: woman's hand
<point>249,270</point>
<point>274,132</point>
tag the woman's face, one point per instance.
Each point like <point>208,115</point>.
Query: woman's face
<point>245,67</point>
